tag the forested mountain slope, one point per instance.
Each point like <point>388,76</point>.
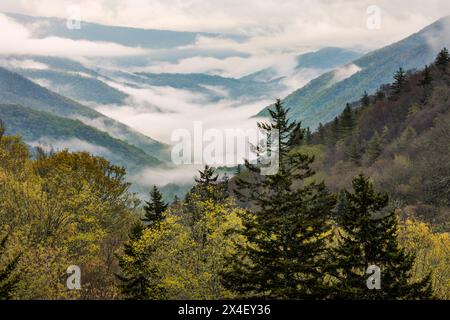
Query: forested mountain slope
<point>325,97</point>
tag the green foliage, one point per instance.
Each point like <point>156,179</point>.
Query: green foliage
<point>32,125</point>
<point>59,210</point>
<point>137,281</point>
<point>286,226</point>
<point>154,208</point>
<point>8,275</point>
<point>368,236</point>
<point>323,98</point>
<point>365,100</point>
<point>399,81</point>
<point>443,59</point>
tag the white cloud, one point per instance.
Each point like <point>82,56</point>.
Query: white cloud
<point>180,109</point>
<point>72,144</point>
<point>272,22</point>
<point>233,67</point>
<point>162,176</point>
<point>345,72</point>
<point>22,64</point>
<point>17,39</point>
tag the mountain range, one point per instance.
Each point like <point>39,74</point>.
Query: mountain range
<point>325,97</point>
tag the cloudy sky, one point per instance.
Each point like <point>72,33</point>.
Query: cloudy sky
<point>269,22</point>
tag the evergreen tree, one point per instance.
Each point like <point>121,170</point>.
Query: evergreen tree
<point>380,95</point>
<point>443,60</point>
<point>136,281</point>
<point>365,100</point>
<point>286,225</point>
<point>334,135</point>
<point>427,78</point>
<point>368,237</point>
<point>208,186</point>
<point>399,81</point>
<point>321,133</point>
<point>355,151</point>
<point>347,122</point>
<point>375,145</point>
<point>8,276</point>
<point>308,136</point>
<point>207,177</point>
<point>154,209</point>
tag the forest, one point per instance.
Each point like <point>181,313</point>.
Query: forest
<point>371,188</point>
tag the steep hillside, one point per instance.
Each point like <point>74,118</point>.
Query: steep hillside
<point>45,129</point>
<point>321,61</point>
<point>77,86</point>
<point>15,89</point>
<point>325,97</point>
<point>400,137</point>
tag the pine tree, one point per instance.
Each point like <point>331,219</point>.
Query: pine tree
<point>400,80</point>
<point>334,135</point>
<point>321,133</point>
<point>368,237</point>
<point>365,100</point>
<point>427,78</point>
<point>207,177</point>
<point>308,136</point>
<point>375,145</point>
<point>286,225</point>
<point>136,281</point>
<point>208,186</point>
<point>8,276</point>
<point>443,60</point>
<point>355,151</point>
<point>380,95</point>
<point>155,208</point>
<point>347,122</point>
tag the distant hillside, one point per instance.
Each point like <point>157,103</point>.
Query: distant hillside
<point>325,97</point>
<point>322,60</point>
<point>43,128</point>
<point>326,58</point>
<point>15,89</point>
<point>216,87</point>
<point>79,87</point>
<point>132,37</point>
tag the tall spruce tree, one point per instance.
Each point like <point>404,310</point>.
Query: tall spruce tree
<point>427,78</point>
<point>286,226</point>
<point>155,208</point>
<point>334,135</point>
<point>347,122</point>
<point>355,151</point>
<point>365,100</point>
<point>308,136</point>
<point>399,81</point>
<point>209,186</point>
<point>368,237</point>
<point>8,275</point>
<point>321,133</point>
<point>443,60</point>
<point>136,281</point>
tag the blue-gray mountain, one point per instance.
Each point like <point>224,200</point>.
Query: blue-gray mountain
<point>322,60</point>
<point>325,97</point>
